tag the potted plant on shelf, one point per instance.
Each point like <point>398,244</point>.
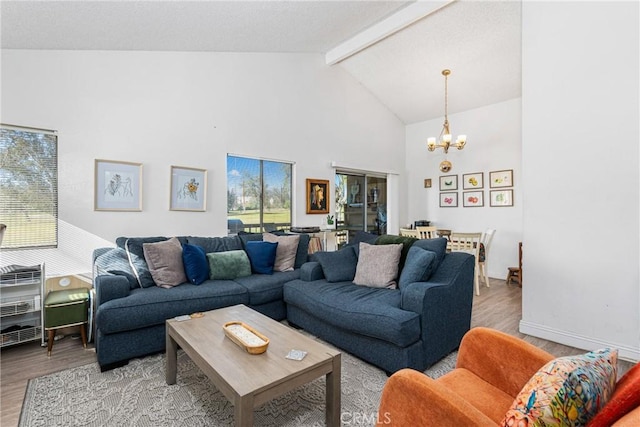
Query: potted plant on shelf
<point>331,225</point>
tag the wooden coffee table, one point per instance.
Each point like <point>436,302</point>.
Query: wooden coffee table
<point>247,380</point>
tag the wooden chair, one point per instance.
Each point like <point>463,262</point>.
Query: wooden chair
<point>409,232</point>
<point>515,273</point>
<point>486,239</point>
<point>427,232</point>
<point>469,243</point>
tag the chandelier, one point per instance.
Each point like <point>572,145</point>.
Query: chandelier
<point>444,140</point>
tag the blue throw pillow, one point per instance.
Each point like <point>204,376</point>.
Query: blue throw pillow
<point>439,246</point>
<point>196,264</point>
<point>262,256</point>
<point>418,266</point>
<point>116,262</point>
<point>338,266</point>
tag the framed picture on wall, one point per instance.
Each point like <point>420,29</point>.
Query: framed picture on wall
<point>117,186</point>
<point>449,200</point>
<point>472,180</point>
<point>498,179</point>
<point>448,182</point>
<point>501,198</point>
<point>472,199</point>
<point>188,189</point>
<point>317,196</point>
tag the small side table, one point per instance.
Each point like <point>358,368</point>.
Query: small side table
<point>69,307</point>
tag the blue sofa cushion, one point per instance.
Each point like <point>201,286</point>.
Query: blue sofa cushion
<point>262,256</point>
<point>373,312</point>
<point>418,266</point>
<point>116,262</point>
<point>439,246</point>
<point>152,306</point>
<point>338,266</point>
<point>196,265</point>
<point>134,244</point>
<point>216,244</point>
<point>228,265</point>
<point>249,237</point>
<point>266,288</point>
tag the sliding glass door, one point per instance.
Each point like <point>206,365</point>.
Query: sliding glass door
<point>361,203</point>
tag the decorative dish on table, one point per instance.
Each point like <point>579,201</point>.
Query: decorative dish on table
<point>246,337</point>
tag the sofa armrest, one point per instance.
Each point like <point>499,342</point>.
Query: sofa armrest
<point>310,271</point>
<point>505,361</point>
<point>110,287</point>
<point>410,398</point>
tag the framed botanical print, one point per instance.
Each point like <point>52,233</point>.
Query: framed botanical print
<point>499,179</point>
<point>317,196</point>
<point>472,181</point>
<point>188,189</point>
<point>449,200</point>
<point>448,182</point>
<point>117,186</point>
<point>501,198</point>
<point>472,199</point>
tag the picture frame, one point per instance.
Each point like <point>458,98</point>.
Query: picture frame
<point>500,179</point>
<point>117,186</point>
<point>448,182</point>
<point>472,199</point>
<point>317,196</point>
<point>449,200</point>
<point>188,189</point>
<point>501,198</point>
<point>472,181</point>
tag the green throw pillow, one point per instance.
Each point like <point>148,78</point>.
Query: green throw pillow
<point>228,265</point>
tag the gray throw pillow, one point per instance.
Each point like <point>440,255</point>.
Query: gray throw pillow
<point>228,265</point>
<point>286,251</point>
<point>165,262</point>
<point>418,266</point>
<point>378,265</point>
<point>338,266</point>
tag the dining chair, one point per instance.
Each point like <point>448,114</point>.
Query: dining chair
<point>486,239</point>
<point>427,232</point>
<point>515,273</point>
<point>469,243</point>
<point>409,232</point>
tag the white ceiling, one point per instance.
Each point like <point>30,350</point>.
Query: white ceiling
<point>478,40</point>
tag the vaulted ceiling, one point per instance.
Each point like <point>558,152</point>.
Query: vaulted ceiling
<point>396,49</point>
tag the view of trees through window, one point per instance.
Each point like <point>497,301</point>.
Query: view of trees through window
<point>28,187</point>
<point>258,194</point>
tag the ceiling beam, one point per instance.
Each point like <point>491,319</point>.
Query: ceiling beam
<point>383,29</point>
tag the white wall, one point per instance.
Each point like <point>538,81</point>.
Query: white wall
<point>493,143</point>
<point>191,109</point>
<point>580,152</point>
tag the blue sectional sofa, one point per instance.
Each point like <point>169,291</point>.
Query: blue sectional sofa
<point>411,326</point>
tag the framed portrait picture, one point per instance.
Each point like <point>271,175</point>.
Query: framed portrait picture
<point>472,199</point>
<point>498,179</point>
<point>448,182</point>
<point>188,189</point>
<point>317,196</point>
<point>448,200</point>
<point>501,198</point>
<point>117,186</point>
<point>472,180</point>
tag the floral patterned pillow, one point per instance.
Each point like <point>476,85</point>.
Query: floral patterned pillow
<point>567,391</point>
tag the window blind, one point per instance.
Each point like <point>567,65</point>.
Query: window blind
<point>28,187</point>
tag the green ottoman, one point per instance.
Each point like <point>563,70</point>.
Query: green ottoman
<point>69,307</point>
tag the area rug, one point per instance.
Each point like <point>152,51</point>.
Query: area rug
<point>137,395</point>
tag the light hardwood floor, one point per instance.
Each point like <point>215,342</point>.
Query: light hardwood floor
<point>498,307</point>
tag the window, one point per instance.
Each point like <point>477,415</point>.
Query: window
<point>28,187</point>
<point>258,194</point>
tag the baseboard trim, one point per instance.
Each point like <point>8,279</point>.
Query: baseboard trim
<point>624,352</point>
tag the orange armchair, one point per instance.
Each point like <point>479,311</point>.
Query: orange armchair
<point>491,369</point>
